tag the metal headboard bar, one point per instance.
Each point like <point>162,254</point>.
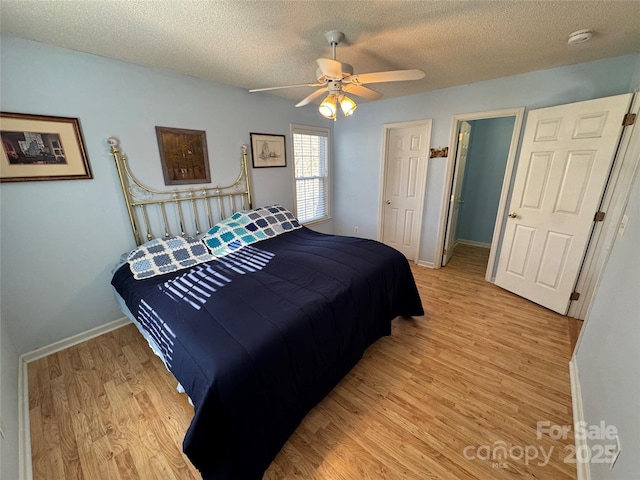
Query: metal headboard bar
<point>142,202</point>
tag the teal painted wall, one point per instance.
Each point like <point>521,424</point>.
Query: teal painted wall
<point>484,174</point>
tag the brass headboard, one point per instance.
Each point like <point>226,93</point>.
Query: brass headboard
<point>179,211</point>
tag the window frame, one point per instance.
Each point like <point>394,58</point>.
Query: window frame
<point>320,132</point>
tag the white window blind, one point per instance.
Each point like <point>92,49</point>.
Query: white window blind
<point>311,157</point>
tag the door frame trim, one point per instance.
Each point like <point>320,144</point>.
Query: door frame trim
<point>458,177</point>
<point>421,182</point>
<point>514,147</point>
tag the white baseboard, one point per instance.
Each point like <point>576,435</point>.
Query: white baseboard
<point>473,243</point>
<point>424,263</point>
<point>24,432</point>
<point>73,340</point>
<point>583,468</point>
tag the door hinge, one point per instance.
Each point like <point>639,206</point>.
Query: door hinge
<point>444,251</point>
<point>574,296</point>
<point>629,119</point>
<point>599,217</point>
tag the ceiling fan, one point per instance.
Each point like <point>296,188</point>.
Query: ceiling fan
<point>337,78</point>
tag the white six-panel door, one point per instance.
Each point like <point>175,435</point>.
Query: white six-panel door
<point>403,196</point>
<point>565,159</point>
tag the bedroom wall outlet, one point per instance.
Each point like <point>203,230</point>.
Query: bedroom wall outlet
<point>356,230</point>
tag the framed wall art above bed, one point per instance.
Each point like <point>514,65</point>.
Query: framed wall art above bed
<point>183,155</point>
<point>40,147</point>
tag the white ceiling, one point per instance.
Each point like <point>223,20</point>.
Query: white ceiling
<point>254,44</point>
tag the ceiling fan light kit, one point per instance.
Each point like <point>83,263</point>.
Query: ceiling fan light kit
<point>336,78</point>
<point>347,105</point>
<point>328,107</point>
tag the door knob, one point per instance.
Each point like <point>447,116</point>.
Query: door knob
<point>513,214</point>
<point>388,202</point>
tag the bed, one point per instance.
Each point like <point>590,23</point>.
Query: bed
<point>258,331</point>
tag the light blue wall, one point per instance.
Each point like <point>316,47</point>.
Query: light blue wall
<point>484,174</point>
<point>609,352</point>
<point>358,142</point>
<point>60,239</point>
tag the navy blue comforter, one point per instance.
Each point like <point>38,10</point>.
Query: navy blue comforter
<point>259,337</point>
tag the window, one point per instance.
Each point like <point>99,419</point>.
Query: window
<point>311,171</point>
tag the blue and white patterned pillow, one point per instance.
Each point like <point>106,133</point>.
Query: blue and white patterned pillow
<point>164,255</point>
<point>273,220</point>
<point>245,228</point>
<point>231,234</point>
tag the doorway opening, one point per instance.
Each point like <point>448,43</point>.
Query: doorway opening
<point>482,155</point>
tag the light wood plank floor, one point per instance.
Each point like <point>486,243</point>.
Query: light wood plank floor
<point>433,400</point>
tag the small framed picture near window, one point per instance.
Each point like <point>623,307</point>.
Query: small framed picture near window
<point>183,155</point>
<point>39,147</point>
<point>268,150</point>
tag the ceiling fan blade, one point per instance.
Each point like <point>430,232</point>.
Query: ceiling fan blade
<point>330,68</point>
<point>311,97</point>
<point>362,91</point>
<point>392,76</point>
<point>287,86</point>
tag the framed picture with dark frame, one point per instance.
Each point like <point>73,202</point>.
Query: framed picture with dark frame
<point>41,147</point>
<point>268,150</point>
<point>183,155</point>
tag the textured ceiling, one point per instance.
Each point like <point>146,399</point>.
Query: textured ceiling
<point>254,44</point>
